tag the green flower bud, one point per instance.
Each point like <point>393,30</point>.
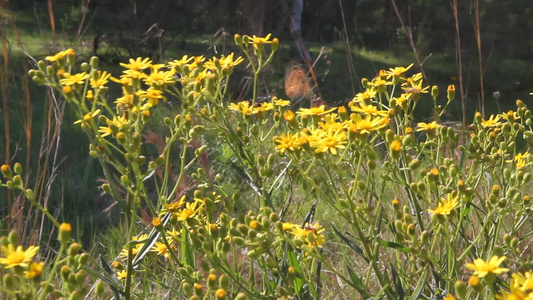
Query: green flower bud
<point>253,254</point>
<point>498,251</point>
<point>389,136</point>
<point>13,238</point>
<point>94,62</point>
<point>460,289</point>
<point>100,289</point>
<point>435,92</point>
<point>9,281</point>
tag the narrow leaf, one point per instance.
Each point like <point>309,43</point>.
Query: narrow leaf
<point>397,283</point>
<point>351,244</point>
<point>293,262</point>
<point>394,245</point>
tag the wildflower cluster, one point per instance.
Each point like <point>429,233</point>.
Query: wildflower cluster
<point>412,208</point>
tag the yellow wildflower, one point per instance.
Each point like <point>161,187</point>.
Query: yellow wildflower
<point>368,124</point>
<point>365,96</point>
<point>60,55</point>
<point>331,141</point>
<point>482,268</point>
<point>427,126</point>
<point>492,121</point>
<point>259,41</point>
<point>69,80</point>
<point>137,64</point>
<point>287,142</point>
<point>398,72</point>
<point>159,78</point>
<point>36,269</point>
<point>100,80</point>
<point>88,116</point>
<point>446,206</point>
<point>369,110</point>
<point>17,257</point>
<point>310,233</point>
<point>314,111</point>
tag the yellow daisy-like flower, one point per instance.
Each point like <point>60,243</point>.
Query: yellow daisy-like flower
<point>369,110</point>
<point>174,206</point>
<point>415,89</point>
<point>225,62</point>
<point>137,64</point>
<point>524,281</point>
<point>190,210</point>
<point>331,141</point>
<point>314,111</point>
<point>398,71</point>
<point>17,256</point>
<point>180,62</point>
<point>159,78</point>
<point>196,61</point>
<point>280,102</point>
<point>379,84</point>
<point>152,95</point>
<point>482,268</point>
<point>446,206</point>
<point>288,226</point>
<point>36,269</point>
<point>427,126</point>
<point>287,142</point>
<point>510,116</point>
<point>401,100</point>
<point>100,80</point>
<point>365,96</point>
<point>243,107</point>
<point>258,41</point>
<point>396,146</point>
<point>492,121</point>
<point>69,80</point>
<point>60,55</point>
<point>124,80</point>
<point>368,124</point>
<point>161,249</point>
<point>137,246</point>
<point>88,116</point>
<point>121,275</point>
<point>310,233</point>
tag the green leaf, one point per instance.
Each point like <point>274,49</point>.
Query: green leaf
<point>419,287</point>
<point>394,245</point>
<point>187,255</point>
<point>397,283</point>
<point>117,290</point>
<point>358,284</point>
<point>293,262</point>
<point>351,244</point>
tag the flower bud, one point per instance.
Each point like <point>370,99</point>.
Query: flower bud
<point>6,171</point>
<point>460,289</point>
<point>13,238</point>
<point>435,92</point>
<point>64,232</point>
<point>212,281</point>
<point>220,294</point>
<point>451,92</point>
<point>238,40</point>
<point>94,62</point>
